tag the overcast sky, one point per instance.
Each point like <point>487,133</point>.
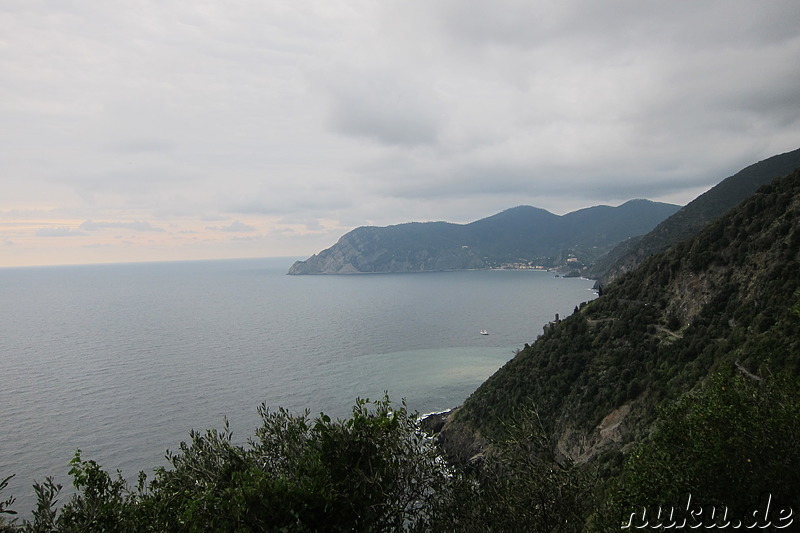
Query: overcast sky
<point>163,130</point>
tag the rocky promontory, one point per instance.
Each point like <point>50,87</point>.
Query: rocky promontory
<point>523,236</point>
<point>403,248</point>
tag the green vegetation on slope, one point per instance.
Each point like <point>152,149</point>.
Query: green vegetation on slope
<point>724,296</point>
<point>692,218</point>
<point>522,234</point>
<point>730,445</point>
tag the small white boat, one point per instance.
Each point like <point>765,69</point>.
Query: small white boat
<point>484,332</point>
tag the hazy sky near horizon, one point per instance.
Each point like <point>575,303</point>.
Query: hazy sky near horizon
<point>165,130</point>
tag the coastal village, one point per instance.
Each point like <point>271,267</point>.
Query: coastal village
<point>571,267</point>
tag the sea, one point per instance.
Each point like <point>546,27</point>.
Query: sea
<point>122,361</point>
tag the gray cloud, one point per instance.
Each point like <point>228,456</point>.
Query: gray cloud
<point>276,205</point>
<point>137,225</point>
<point>384,107</point>
<point>61,231</point>
<point>234,227</point>
<point>140,146</point>
<point>617,24</point>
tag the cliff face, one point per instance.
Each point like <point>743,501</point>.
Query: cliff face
<point>725,296</point>
<point>520,235</point>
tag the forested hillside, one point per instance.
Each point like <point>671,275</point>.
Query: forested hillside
<point>521,235</point>
<point>725,303</point>
<point>693,217</point>
<point>725,295</point>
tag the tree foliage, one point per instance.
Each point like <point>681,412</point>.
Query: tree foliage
<point>521,484</point>
<point>726,445</point>
<point>5,506</point>
<point>375,471</point>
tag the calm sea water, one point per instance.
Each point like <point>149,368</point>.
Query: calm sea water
<point>122,361</point>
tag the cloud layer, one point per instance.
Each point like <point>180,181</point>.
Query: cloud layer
<point>126,129</point>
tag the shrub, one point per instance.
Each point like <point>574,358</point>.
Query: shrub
<point>375,471</point>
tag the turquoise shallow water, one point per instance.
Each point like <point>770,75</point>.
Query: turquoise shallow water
<point>123,360</point>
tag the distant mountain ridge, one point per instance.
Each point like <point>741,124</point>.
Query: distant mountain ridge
<point>692,218</point>
<point>520,236</point>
